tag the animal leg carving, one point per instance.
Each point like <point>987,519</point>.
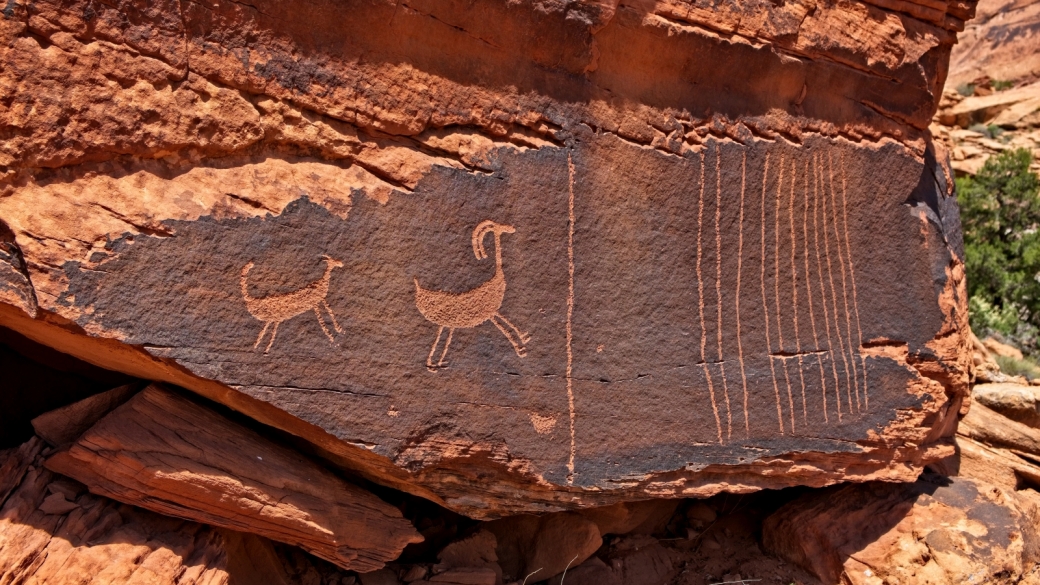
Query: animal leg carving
<point>523,337</point>
<point>273,335</point>
<point>261,336</point>
<point>440,363</point>
<point>521,351</point>
<point>332,316</point>
<point>322,323</point>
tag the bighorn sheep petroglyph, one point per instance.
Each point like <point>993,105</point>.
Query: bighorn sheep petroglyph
<point>277,308</point>
<point>474,307</point>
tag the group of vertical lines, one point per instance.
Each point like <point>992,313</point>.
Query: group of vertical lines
<point>809,185</point>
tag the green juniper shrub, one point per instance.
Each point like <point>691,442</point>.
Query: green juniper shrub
<point>987,319</point>
<point>1016,367</point>
<point>990,131</point>
<point>981,129</point>
<point>1000,216</point>
<point>1002,84</point>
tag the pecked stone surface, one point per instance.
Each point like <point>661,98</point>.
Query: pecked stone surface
<point>526,257</point>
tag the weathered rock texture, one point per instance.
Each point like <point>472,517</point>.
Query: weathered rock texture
<point>512,257</point>
<point>164,453</point>
<point>1000,44</point>
<point>62,426</point>
<point>53,531</point>
<point>938,530</point>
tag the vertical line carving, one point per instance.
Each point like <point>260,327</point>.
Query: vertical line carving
<point>834,290</point>
<point>808,294</point>
<point>570,313</point>
<point>765,300</point>
<point>776,286</point>
<point>740,262</point>
<point>794,289</point>
<point>819,272</point>
<point>700,300</point>
<point>852,272</point>
<point>718,285</point>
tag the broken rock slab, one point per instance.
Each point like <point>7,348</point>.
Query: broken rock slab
<point>1017,402</point>
<point>937,530</point>
<point>645,517</point>
<point>543,547</point>
<point>990,427</point>
<point>165,453</point>
<point>53,531</point>
<point>62,426</point>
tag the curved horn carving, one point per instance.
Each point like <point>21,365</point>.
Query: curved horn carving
<point>478,238</point>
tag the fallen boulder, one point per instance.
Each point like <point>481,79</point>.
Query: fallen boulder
<point>62,426</point>
<point>986,426</point>
<point>167,454</point>
<point>91,539</point>
<point>1015,401</point>
<point>543,547</point>
<point>937,531</point>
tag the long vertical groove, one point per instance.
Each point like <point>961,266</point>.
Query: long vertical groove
<point>718,285</point>
<point>844,282</point>
<point>765,300</point>
<point>700,301</point>
<point>834,290</point>
<point>776,286</point>
<point>808,293</point>
<point>794,288</point>
<point>740,261</point>
<point>852,272</point>
<point>819,272</point>
<point>570,313</point>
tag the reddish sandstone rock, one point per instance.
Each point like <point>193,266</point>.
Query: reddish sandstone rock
<point>476,551</point>
<point>640,561</point>
<point>543,547</point>
<point>94,540</point>
<point>518,258</point>
<point>164,453</point>
<point>62,426</point>
<point>1017,402</point>
<point>646,517</point>
<point>998,44</point>
<point>937,531</point>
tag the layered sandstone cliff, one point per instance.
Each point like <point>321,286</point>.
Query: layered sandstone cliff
<point>506,256</point>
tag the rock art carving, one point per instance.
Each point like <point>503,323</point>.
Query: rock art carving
<point>700,303</point>
<point>833,253</point>
<point>275,309</point>
<point>648,273</point>
<point>570,315</point>
<point>736,295</point>
<point>474,307</point>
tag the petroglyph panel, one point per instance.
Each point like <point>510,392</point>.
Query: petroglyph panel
<point>600,312</point>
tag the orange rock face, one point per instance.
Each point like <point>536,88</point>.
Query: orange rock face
<point>52,531</point>
<point>512,257</point>
<point>938,530</point>
<point>164,453</point>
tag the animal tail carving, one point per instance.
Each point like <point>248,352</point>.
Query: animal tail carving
<point>245,286</point>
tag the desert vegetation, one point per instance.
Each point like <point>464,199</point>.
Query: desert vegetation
<point>1000,215</point>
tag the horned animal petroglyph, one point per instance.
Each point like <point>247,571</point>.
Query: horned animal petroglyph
<point>453,311</point>
<point>275,309</point>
